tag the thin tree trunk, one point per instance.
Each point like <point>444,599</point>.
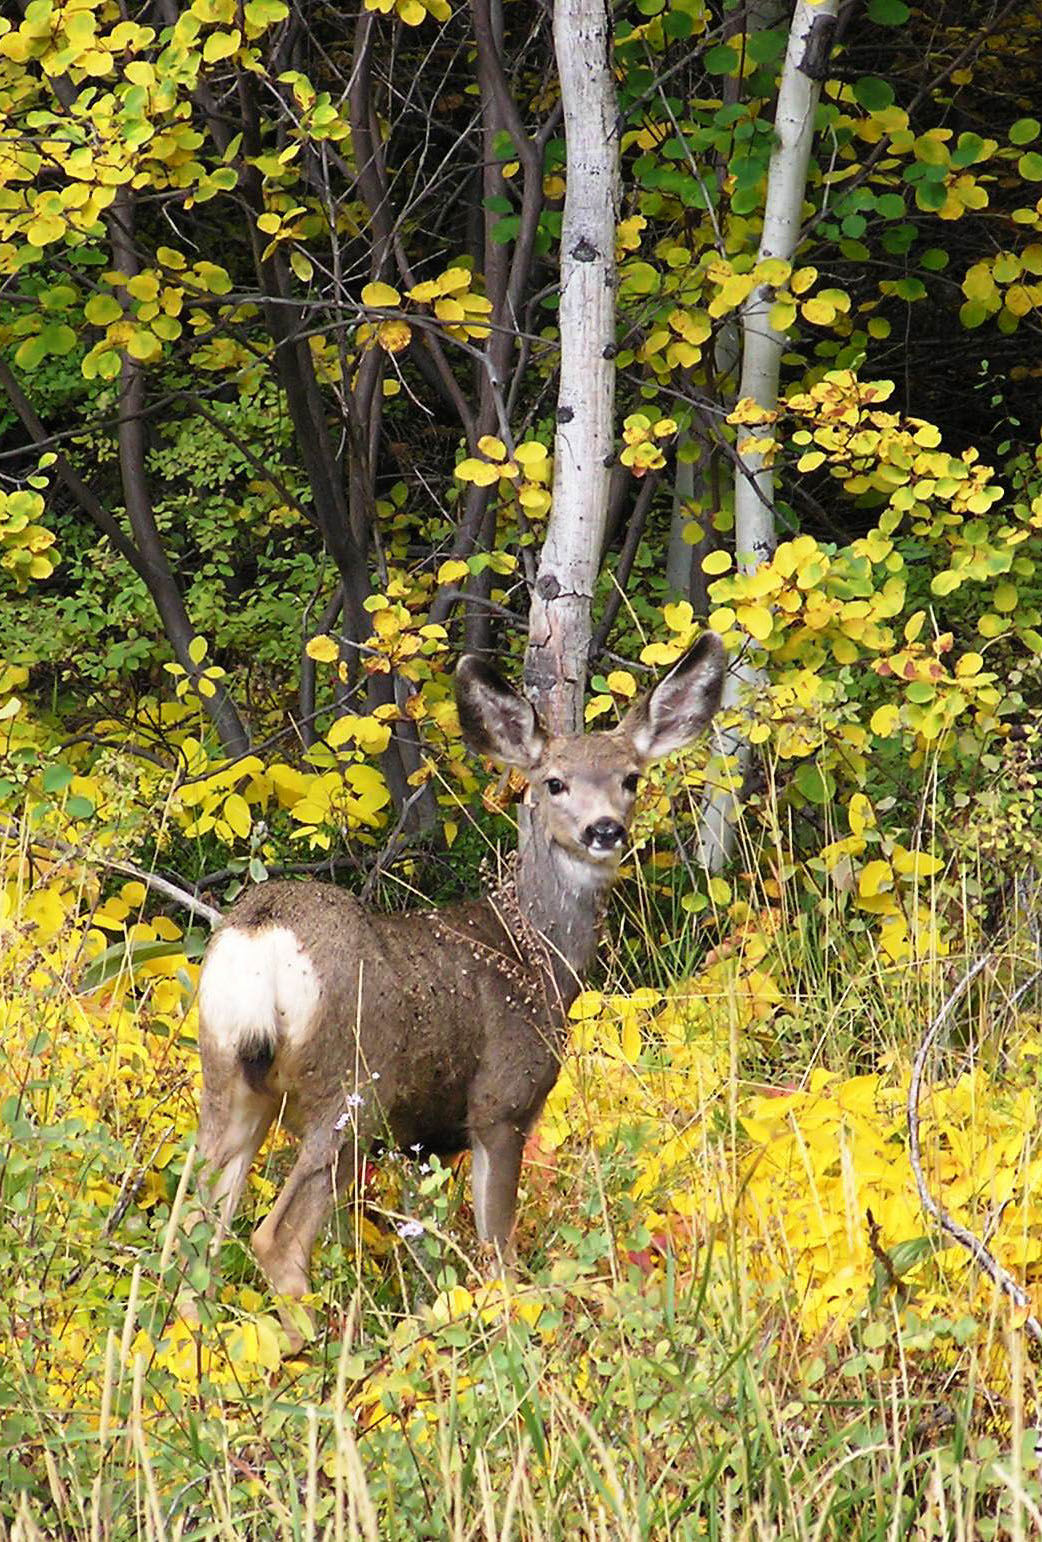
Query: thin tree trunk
<point>806,60</point>
<point>137,497</point>
<point>559,618</point>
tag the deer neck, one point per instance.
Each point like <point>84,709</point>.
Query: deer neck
<point>561,898</point>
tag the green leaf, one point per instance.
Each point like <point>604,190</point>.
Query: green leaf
<point>505,230</point>
<point>57,777</point>
<point>58,339</point>
<point>935,259</point>
<point>121,957</point>
<point>678,25</point>
<point>873,94</point>
<point>1024,131</point>
<point>31,353</point>
<point>905,1255</point>
<point>815,785</point>
<point>721,60</point>
<point>891,206</point>
<point>1030,166</point>
<point>969,149</point>
<point>766,46</point>
<point>101,309</point>
<point>888,13</point>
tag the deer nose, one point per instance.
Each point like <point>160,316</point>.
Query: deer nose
<point>604,835</point>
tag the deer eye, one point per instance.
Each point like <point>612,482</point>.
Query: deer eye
<point>555,786</point>
<point>632,782</point>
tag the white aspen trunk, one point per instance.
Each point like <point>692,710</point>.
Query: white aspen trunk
<point>559,617</point>
<point>680,555</point>
<point>806,60</point>
<point>683,567</point>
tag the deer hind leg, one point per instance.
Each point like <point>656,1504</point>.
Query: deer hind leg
<point>233,1121</point>
<point>284,1240</point>
<point>495,1172</point>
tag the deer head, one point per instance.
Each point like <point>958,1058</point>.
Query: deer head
<point>582,787</point>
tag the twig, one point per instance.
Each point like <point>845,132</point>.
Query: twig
<point>391,845</point>
<point>881,1256</point>
<point>973,1245</point>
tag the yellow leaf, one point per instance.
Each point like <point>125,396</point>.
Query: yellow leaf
<point>860,814</point>
<point>716,562</point>
<point>492,448</point>
<point>915,864</point>
<point>622,683</point>
<point>453,570</point>
<point>781,315</point>
<point>394,336</point>
<point>531,453</point>
<point>143,344</point>
<point>323,650</point>
<point>756,619</point>
<point>481,472</point>
<point>368,787</point>
<point>381,295</point>
<point>679,617</point>
<point>370,735</point>
<point>449,310</point>
<point>220,45</point>
<point>914,625</point>
<point>884,721</point>
<point>660,653</point>
<point>237,813</point>
<point>874,878</point>
<point>197,649</point>
<point>820,312</point>
<point>535,499</point>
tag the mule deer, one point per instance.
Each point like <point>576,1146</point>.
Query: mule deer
<point>436,1029</point>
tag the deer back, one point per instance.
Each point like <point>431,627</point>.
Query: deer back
<point>400,1024</point>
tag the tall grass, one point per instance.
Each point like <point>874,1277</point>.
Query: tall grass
<point>651,1372</point>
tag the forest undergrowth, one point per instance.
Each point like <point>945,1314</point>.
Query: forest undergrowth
<point>732,1316</point>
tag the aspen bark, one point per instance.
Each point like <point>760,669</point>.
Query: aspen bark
<point>559,617</point>
<point>806,60</point>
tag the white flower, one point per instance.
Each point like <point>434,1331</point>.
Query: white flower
<point>411,1229</point>
<point>353,1101</point>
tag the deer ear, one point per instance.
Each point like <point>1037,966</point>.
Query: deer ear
<point>681,705</point>
<point>495,719</point>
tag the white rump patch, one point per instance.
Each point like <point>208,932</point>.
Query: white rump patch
<point>256,989</point>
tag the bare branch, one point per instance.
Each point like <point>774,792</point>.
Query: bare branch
<point>171,891</point>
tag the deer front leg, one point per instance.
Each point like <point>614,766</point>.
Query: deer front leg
<point>495,1171</point>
